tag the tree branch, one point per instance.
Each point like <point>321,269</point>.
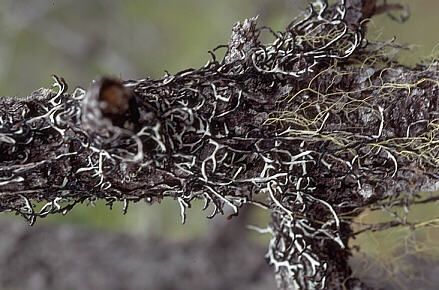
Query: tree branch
<point>315,127</point>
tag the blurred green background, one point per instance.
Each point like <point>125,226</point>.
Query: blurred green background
<point>81,40</point>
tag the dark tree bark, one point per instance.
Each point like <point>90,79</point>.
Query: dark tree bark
<point>315,128</point>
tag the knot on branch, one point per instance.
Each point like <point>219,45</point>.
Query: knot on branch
<point>110,116</point>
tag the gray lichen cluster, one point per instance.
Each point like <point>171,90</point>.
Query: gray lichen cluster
<point>314,127</point>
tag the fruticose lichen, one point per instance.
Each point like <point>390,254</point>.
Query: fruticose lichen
<point>314,127</point>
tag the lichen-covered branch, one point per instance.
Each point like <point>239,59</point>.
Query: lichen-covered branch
<point>315,127</point>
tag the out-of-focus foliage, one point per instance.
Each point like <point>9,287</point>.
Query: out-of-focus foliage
<point>419,31</point>
<point>406,256</point>
<point>80,40</point>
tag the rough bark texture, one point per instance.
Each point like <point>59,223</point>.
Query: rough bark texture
<point>315,127</point>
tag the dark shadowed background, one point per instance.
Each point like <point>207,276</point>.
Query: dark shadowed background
<point>82,40</point>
